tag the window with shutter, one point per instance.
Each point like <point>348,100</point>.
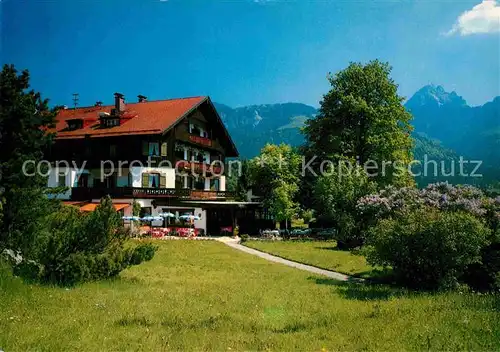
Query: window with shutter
<point>145,148</point>
<point>163,181</point>
<point>164,149</point>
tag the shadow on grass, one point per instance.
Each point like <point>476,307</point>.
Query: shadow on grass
<point>362,291</point>
<point>134,321</point>
<point>328,248</point>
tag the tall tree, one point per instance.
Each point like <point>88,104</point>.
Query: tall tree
<point>238,179</point>
<point>336,196</point>
<point>362,119</point>
<point>24,118</point>
<point>275,175</point>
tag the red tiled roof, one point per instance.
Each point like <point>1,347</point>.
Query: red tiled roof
<point>139,118</point>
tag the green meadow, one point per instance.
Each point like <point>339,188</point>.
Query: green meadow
<point>203,295</point>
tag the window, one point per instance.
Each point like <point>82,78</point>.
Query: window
<point>199,184</point>
<point>198,156</point>
<point>190,182</point>
<point>145,211</point>
<point>83,180</point>
<point>179,182</point>
<point>75,124</point>
<point>154,149</point>
<point>179,152</point>
<point>193,129</point>
<point>111,122</point>
<point>61,179</point>
<point>214,184</point>
<point>112,150</point>
<point>154,180</point>
<point>110,181</point>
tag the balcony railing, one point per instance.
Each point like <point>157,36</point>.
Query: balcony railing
<point>198,167</point>
<point>88,193</point>
<point>207,142</point>
<point>198,140</point>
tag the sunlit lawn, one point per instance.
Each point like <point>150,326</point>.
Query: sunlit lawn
<point>197,295</point>
<point>322,254</point>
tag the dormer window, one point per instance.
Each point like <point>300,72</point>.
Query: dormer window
<point>75,124</point>
<point>111,122</point>
<point>108,120</point>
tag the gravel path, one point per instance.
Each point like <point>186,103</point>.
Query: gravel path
<point>312,269</point>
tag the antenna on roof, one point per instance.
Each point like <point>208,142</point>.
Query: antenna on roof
<point>75,99</point>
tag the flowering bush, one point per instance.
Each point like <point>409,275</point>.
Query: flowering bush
<point>443,196</point>
<point>393,206</point>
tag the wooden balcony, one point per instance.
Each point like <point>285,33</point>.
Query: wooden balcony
<point>88,193</point>
<point>206,142</point>
<point>198,140</point>
<point>198,167</point>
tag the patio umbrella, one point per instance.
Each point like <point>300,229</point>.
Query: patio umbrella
<point>189,217</point>
<point>130,218</point>
<point>151,218</point>
<point>167,215</point>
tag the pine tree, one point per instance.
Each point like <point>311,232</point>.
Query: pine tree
<point>24,119</point>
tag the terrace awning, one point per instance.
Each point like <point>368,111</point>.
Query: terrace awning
<point>92,206</point>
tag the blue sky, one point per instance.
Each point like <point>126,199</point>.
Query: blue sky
<point>247,52</point>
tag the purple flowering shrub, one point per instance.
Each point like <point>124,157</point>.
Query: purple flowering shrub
<point>397,235</point>
<point>393,202</point>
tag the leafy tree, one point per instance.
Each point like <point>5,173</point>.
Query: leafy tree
<point>362,118</point>
<point>307,215</point>
<point>239,179</point>
<point>275,174</point>
<point>336,196</point>
<point>24,117</point>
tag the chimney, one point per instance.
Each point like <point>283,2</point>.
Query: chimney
<point>142,98</point>
<point>119,103</point>
<point>98,103</point>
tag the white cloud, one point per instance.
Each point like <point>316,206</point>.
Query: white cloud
<point>482,18</point>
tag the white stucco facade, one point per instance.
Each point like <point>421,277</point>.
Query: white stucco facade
<point>136,175</point>
<point>70,177</point>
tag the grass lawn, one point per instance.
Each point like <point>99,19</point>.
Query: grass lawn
<point>197,295</point>
<point>322,254</point>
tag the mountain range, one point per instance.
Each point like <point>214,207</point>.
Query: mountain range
<point>446,127</point>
